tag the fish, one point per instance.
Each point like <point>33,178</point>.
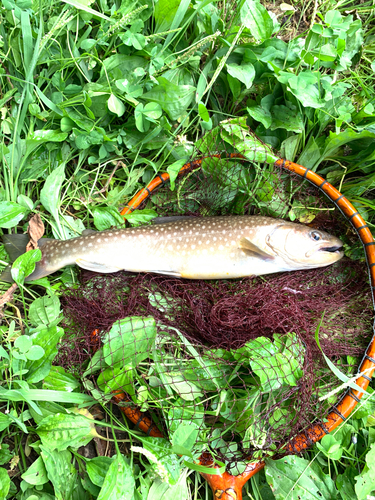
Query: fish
<point>189,247</point>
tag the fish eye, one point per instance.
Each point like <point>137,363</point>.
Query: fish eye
<point>315,235</point>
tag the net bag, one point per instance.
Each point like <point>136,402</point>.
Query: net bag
<point>238,365</point>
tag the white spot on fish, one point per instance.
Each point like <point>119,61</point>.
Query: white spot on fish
<point>221,247</point>
<point>207,242</point>
<point>193,246</point>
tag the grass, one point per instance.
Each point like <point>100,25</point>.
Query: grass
<point>95,99</point>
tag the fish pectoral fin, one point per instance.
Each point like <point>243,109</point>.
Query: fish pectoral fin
<point>253,251</point>
<point>96,267</point>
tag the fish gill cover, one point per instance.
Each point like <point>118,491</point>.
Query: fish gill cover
<point>234,363</point>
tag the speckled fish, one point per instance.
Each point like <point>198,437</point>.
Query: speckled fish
<point>191,247</point>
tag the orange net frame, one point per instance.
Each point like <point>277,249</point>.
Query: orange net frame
<point>227,486</point>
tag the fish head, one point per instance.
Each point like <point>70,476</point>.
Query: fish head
<point>304,247</point>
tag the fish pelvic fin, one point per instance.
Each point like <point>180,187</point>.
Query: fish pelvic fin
<point>15,245</point>
<point>97,267</point>
<point>253,251</point>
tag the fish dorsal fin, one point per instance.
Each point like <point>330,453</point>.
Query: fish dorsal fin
<point>172,218</point>
<point>253,251</point>
<point>96,267</point>
<point>85,232</point>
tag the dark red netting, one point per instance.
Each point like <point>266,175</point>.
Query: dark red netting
<point>226,315</point>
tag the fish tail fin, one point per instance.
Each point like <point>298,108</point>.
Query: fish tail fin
<point>15,245</point>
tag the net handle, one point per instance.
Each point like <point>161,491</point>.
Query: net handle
<point>228,487</point>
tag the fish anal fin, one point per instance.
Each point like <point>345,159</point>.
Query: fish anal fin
<point>96,266</point>
<point>253,251</point>
<point>175,274</point>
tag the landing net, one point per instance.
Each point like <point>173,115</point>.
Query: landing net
<point>243,365</point>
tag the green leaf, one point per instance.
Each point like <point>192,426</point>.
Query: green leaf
<point>119,377</point>
<point>97,469</point>
<point>330,447</point>
<point>47,338</point>
<point>116,105</point>
<point>84,6</point>
<point>184,388</point>
<point>162,450</point>
<point>287,118</point>
<point>45,311</point>
<point>129,340</point>
<point>152,110</point>
<point>11,213</point>
<point>5,454</point>
<point>25,201</point>
<point>173,171</point>
<point>164,13</point>
<point>60,431</point>
<point>5,421</point>
<point>138,217</point>
<point>260,115</point>
<point>4,483</point>
<point>49,195</point>
<point>35,352</point>
<point>276,363</point>
<point>304,87</point>
<point>24,265</point>
<point>236,133</point>
<point>205,470</point>
<point>185,435</point>
<point>256,19</point>
<point>203,112</point>
<point>58,379</point>
<point>303,478</point>
<point>244,73</point>
<point>119,481</point>
<point>40,136</point>
<point>326,53</point>
<point>345,483</point>
<point>174,99</point>
<point>23,343</point>
<point>36,474</point>
<point>106,217</point>
<point>60,471</point>
<point>365,482</point>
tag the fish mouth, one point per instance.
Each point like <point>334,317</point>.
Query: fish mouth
<point>333,249</point>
